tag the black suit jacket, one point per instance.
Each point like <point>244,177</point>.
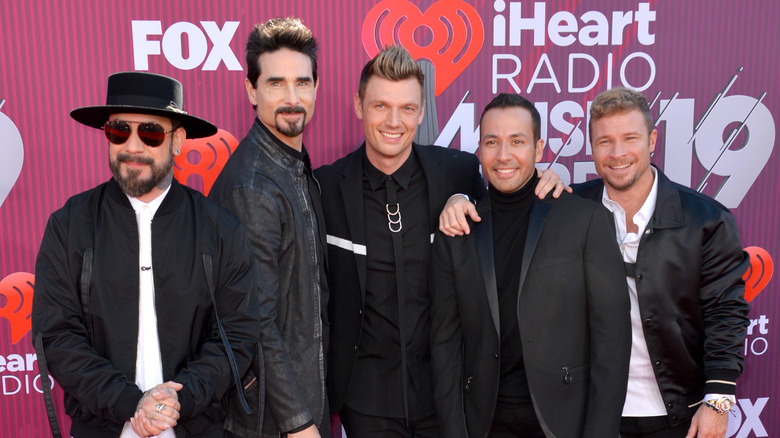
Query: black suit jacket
<point>447,171</point>
<point>573,311</point>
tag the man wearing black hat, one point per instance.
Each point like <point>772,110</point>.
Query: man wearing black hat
<point>143,309</point>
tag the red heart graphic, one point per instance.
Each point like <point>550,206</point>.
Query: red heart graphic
<point>449,53</point>
<point>204,158</point>
<point>759,273</point>
<point>17,289</point>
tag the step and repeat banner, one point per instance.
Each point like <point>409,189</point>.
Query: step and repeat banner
<point>709,67</point>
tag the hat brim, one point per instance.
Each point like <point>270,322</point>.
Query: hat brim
<point>97,116</point>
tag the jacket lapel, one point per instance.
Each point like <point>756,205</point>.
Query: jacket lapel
<point>436,178</point>
<point>668,209</point>
<point>352,193</point>
<point>483,234</point>
<point>539,212</point>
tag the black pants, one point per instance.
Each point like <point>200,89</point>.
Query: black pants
<point>512,420</point>
<point>368,426</point>
<point>652,427</point>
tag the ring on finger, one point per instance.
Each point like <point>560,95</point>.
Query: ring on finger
<point>160,407</point>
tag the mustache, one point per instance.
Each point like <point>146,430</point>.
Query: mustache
<point>127,158</point>
<point>290,110</point>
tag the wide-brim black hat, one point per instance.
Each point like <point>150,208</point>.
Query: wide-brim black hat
<point>144,93</point>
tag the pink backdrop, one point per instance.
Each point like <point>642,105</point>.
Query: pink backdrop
<point>709,66</point>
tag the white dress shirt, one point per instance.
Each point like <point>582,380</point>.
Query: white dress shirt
<point>643,398</point>
<point>148,365</point>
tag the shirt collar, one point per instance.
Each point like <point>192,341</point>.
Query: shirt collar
<point>642,217</point>
<point>153,205</point>
<point>402,176</point>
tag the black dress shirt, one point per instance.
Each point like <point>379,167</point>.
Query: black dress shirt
<point>376,388</point>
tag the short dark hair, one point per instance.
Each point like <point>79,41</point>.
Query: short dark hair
<point>275,34</point>
<point>620,100</point>
<point>394,63</point>
<point>508,100</point>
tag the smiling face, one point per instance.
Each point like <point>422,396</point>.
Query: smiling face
<point>142,171</point>
<point>391,111</point>
<point>284,94</point>
<point>507,149</point>
<point>621,152</point>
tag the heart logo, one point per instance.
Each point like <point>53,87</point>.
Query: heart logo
<point>17,289</point>
<point>13,155</point>
<point>759,273</point>
<point>456,26</point>
<point>201,160</point>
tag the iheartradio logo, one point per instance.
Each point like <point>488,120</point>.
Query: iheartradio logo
<point>16,296</point>
<point>201,160</point>
<point>759,273</point>
<point>456,28</point>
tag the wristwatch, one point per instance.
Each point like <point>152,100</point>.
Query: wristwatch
<point>720,405</point>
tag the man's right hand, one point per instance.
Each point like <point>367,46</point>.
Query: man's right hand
<point>309,432</point>
<point>452,220</point>
<point>150,421</point>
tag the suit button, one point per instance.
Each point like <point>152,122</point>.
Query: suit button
<point>648,322</point>
<point>360,311</point>
<point>495,355</point>
<point>638,276</point>
<point>658,364</point>
<point>356,348</point>
<point>670,406</point>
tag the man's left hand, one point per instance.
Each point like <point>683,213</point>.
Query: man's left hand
<point>708,424</point>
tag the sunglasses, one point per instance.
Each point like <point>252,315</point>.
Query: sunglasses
<point>152,134</point>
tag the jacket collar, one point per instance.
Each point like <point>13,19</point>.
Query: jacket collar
<point>170,204</point>
<point>668,209</point>
<point>275,149</point>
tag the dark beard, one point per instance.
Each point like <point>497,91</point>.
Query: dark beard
<point>294,129</point>
<point>132,185</point>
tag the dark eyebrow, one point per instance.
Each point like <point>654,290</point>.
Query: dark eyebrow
<point>515,135</point>
<point>281,79</point>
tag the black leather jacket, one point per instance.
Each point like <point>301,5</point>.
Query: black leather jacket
<point>277,199</point>
<point>691,295</point>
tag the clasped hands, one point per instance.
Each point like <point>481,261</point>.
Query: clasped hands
<point>158,410</point>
